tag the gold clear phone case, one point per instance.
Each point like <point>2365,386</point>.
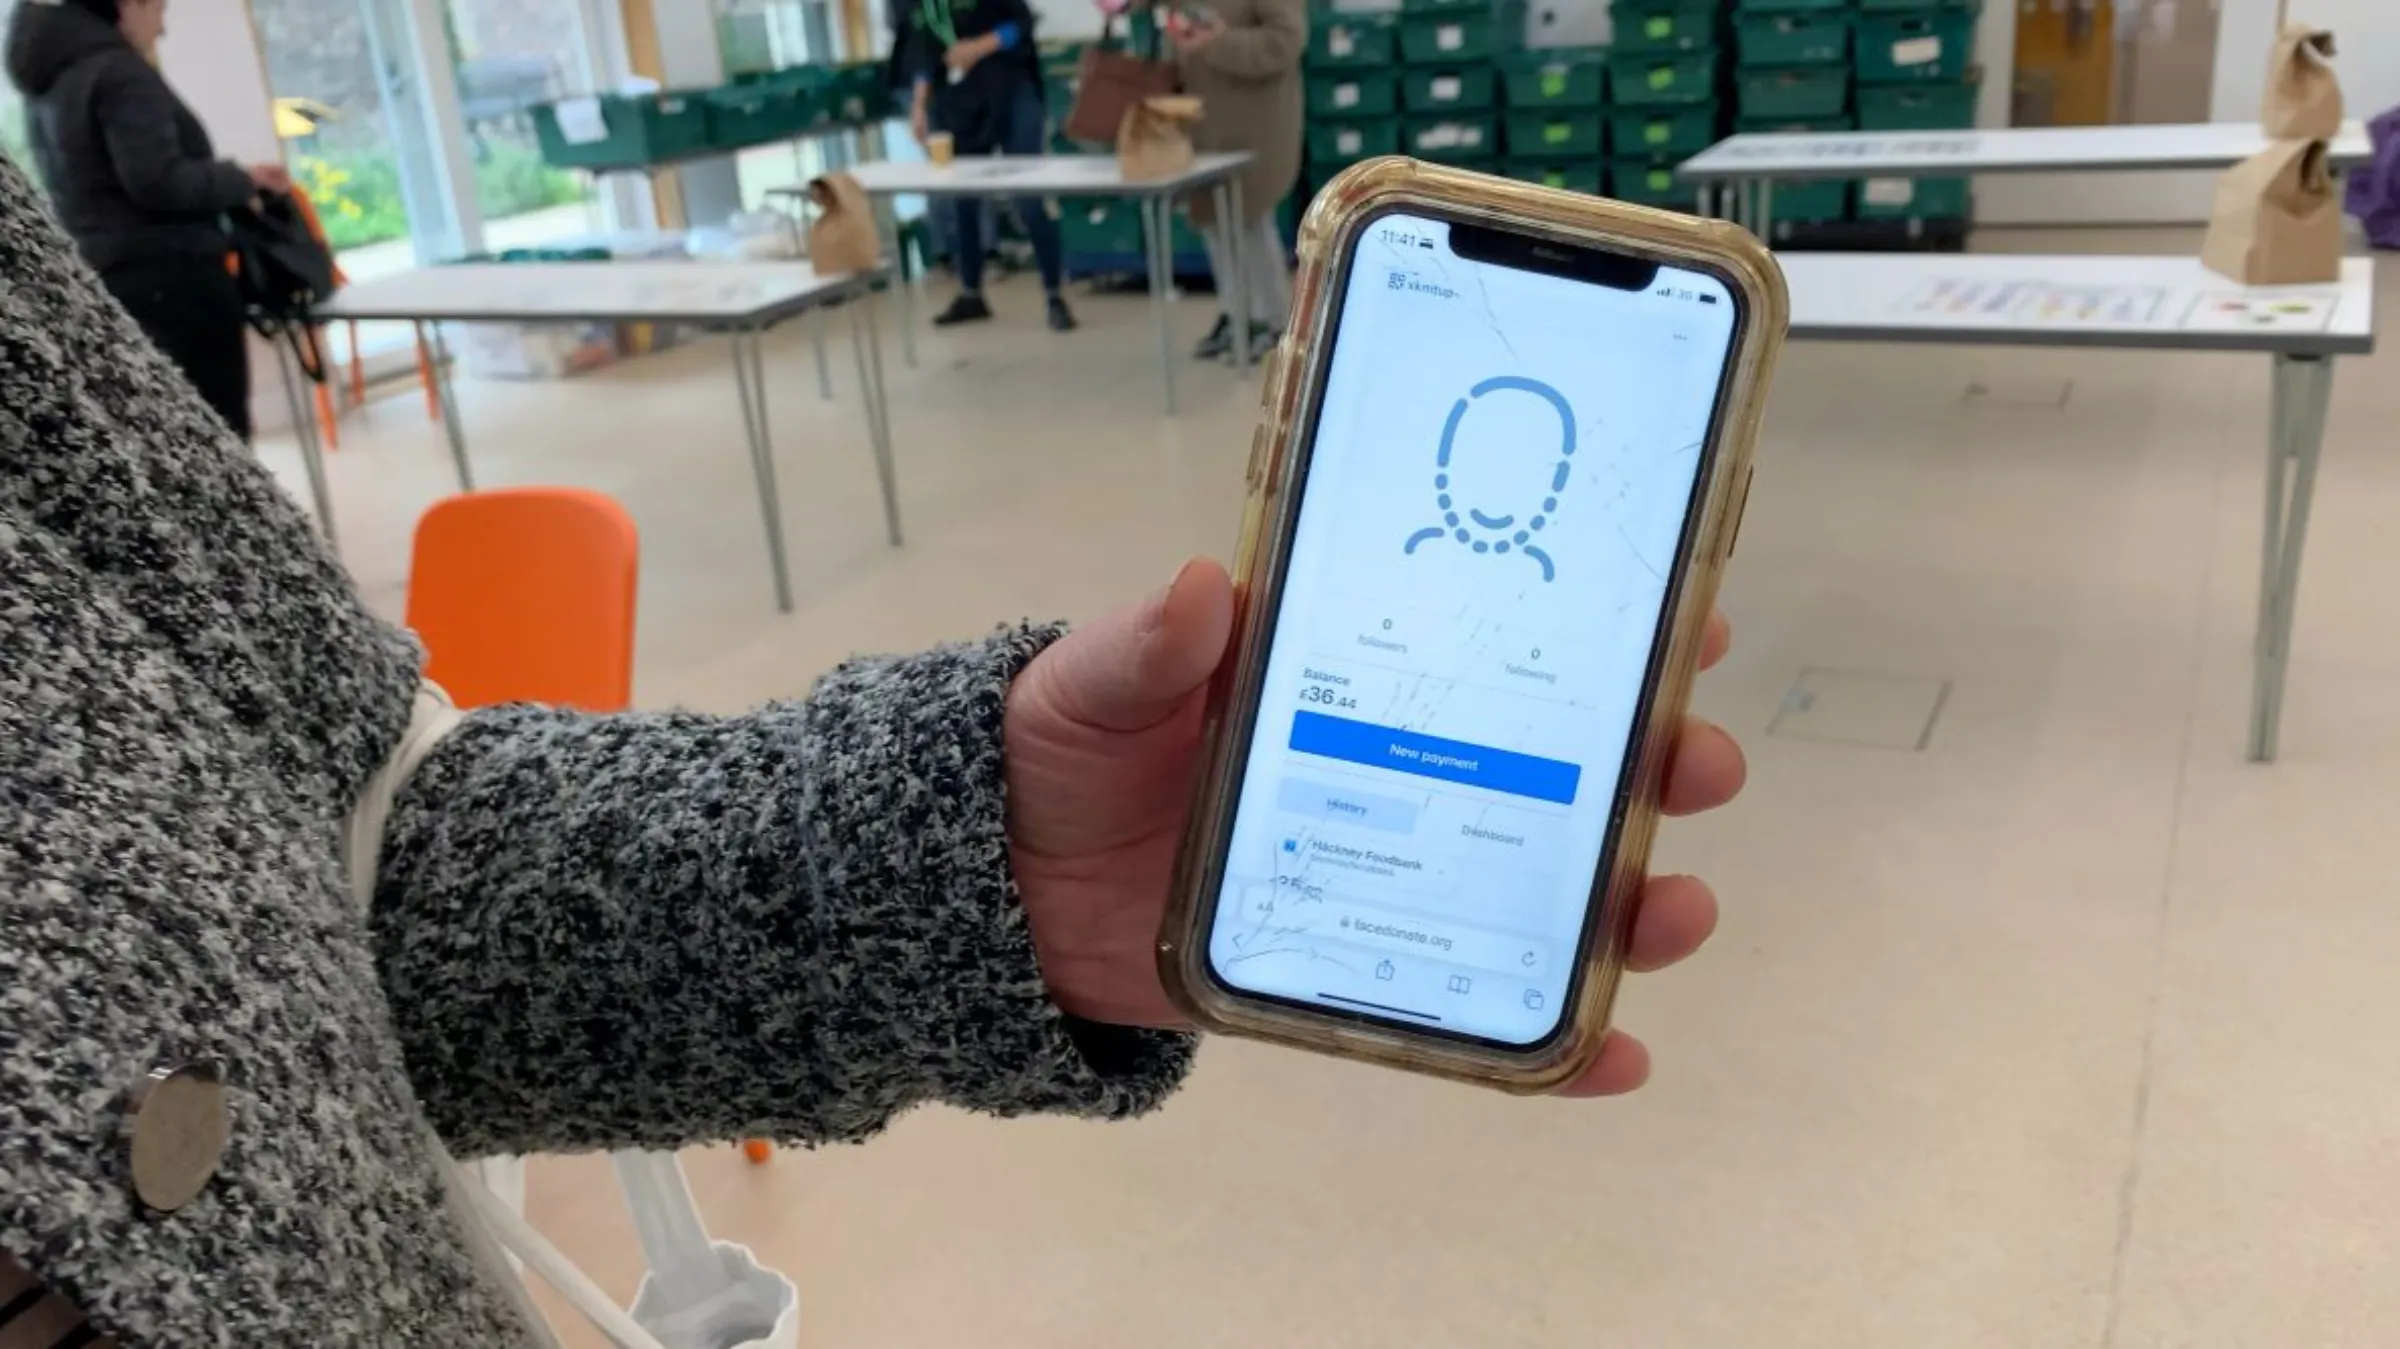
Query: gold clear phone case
<point>1328,235</point>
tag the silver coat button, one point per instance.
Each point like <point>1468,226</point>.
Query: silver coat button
<point>175,1126</point>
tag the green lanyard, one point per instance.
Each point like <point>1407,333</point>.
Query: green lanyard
<point>937,17</point>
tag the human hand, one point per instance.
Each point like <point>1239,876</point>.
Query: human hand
<point>270,177</point>
<point>1102,732</point>
<point>964,53</point>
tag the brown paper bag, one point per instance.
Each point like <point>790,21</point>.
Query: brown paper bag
<point>1155,140</point>
<point>842,238</point>
<point>2304,97</point>
<point>2278,220</point>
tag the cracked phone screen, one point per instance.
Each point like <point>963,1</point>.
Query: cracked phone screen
<point>1498,487</point>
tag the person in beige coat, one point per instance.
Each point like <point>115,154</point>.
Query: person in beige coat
<point>1242,59</point>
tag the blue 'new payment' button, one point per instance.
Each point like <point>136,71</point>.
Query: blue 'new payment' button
<point>1430,756</point>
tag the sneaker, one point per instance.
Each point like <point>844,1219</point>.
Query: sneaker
<point>964,309</point>
<point>1219,341</point>
<point>1263,338</point>
<point>1062,319</point>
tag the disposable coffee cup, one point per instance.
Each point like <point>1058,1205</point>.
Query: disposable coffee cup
<point>939,147</point>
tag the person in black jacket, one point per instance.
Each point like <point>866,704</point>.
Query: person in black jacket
<point>135,181</point>
<point>974,75</point>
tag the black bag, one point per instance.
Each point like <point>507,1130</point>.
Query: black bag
<point>284,273</point>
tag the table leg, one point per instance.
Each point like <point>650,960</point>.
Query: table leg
<point>867,345</point>
<point>816,342</point>
<point>1708,201</point>
<point>312,450</point>
<point>888,217</point>
<point>750,380</point>
<point>1765,228</point>
<point>1162,282</point>
<point>447,394</point>
<point>2303,389</point>
<point>1237,255</point>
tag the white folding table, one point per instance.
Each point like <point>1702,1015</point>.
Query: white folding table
<point>1000,176</point>
<point>1737,175</point>
<point>2135,304</point>
<point>740,299</point>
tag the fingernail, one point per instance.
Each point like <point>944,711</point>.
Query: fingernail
<point>1154,610</point>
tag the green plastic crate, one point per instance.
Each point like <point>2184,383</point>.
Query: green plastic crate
<point>1811,200</point>
<point>1916,107</point>
<point>1913,198</point>
<point>859,96</point>
<point>1789,6</point>
<point>1662,26</point>
<point>1558,78</point>
<point>1644,79</point>
<point>1792,39</point>
<point>1794,126</point>
<point>1433,89</point>
<point>1566,175</point>
<point>641,129</point>
<point>1651,182</point>
<point>1666,131</point>
<point>1463,138</point>
<point>1100,225</point>
<point>1337,142</point>
<point>1931,45</point>
<point>1352,41</point>
<point>816,88</point>
<point>1809,91</point>
<point>743,115</point>
<point>1562,134</point>
<point>1354,93</point>
<point>1443,6</point>
<point>1448,39</point>
<point>1915,6</point>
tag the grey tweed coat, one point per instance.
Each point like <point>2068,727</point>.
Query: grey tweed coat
<point>587,932</point>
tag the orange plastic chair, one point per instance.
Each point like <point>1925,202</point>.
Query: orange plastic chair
<point>527,594</point>
<point>328,414</point>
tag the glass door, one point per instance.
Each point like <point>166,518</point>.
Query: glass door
<point>505,57</point>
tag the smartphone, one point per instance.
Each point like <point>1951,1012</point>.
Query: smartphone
<point>1505,451</point>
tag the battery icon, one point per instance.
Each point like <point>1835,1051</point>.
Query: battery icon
<point>1423,242</point>
<point>1708,299</point>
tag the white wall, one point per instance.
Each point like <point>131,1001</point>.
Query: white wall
<point>211,56</point>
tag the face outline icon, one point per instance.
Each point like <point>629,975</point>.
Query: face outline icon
<point>1514,531</point>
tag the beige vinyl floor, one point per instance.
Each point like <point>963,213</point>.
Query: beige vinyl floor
<point>2068,1028</point>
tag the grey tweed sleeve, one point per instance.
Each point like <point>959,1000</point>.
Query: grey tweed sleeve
<point>653,930</point>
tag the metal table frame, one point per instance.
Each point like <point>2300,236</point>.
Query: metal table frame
<point>2301,392</point>
<point>750,382</point>
<point>1221,178</point>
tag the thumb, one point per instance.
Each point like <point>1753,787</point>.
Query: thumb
<point>1134,668</point>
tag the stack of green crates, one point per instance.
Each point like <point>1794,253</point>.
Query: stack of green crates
<point>1665,95</point>
<point>1449,88</point>
<point>1792,74</point>
<point>1915,73</point>
<point>1352,72</point>
<point>639,129</point>
<point>1555,126</point>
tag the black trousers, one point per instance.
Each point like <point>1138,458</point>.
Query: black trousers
<point>191,309</point>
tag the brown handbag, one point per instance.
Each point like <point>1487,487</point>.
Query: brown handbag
<point>1110,84</point>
